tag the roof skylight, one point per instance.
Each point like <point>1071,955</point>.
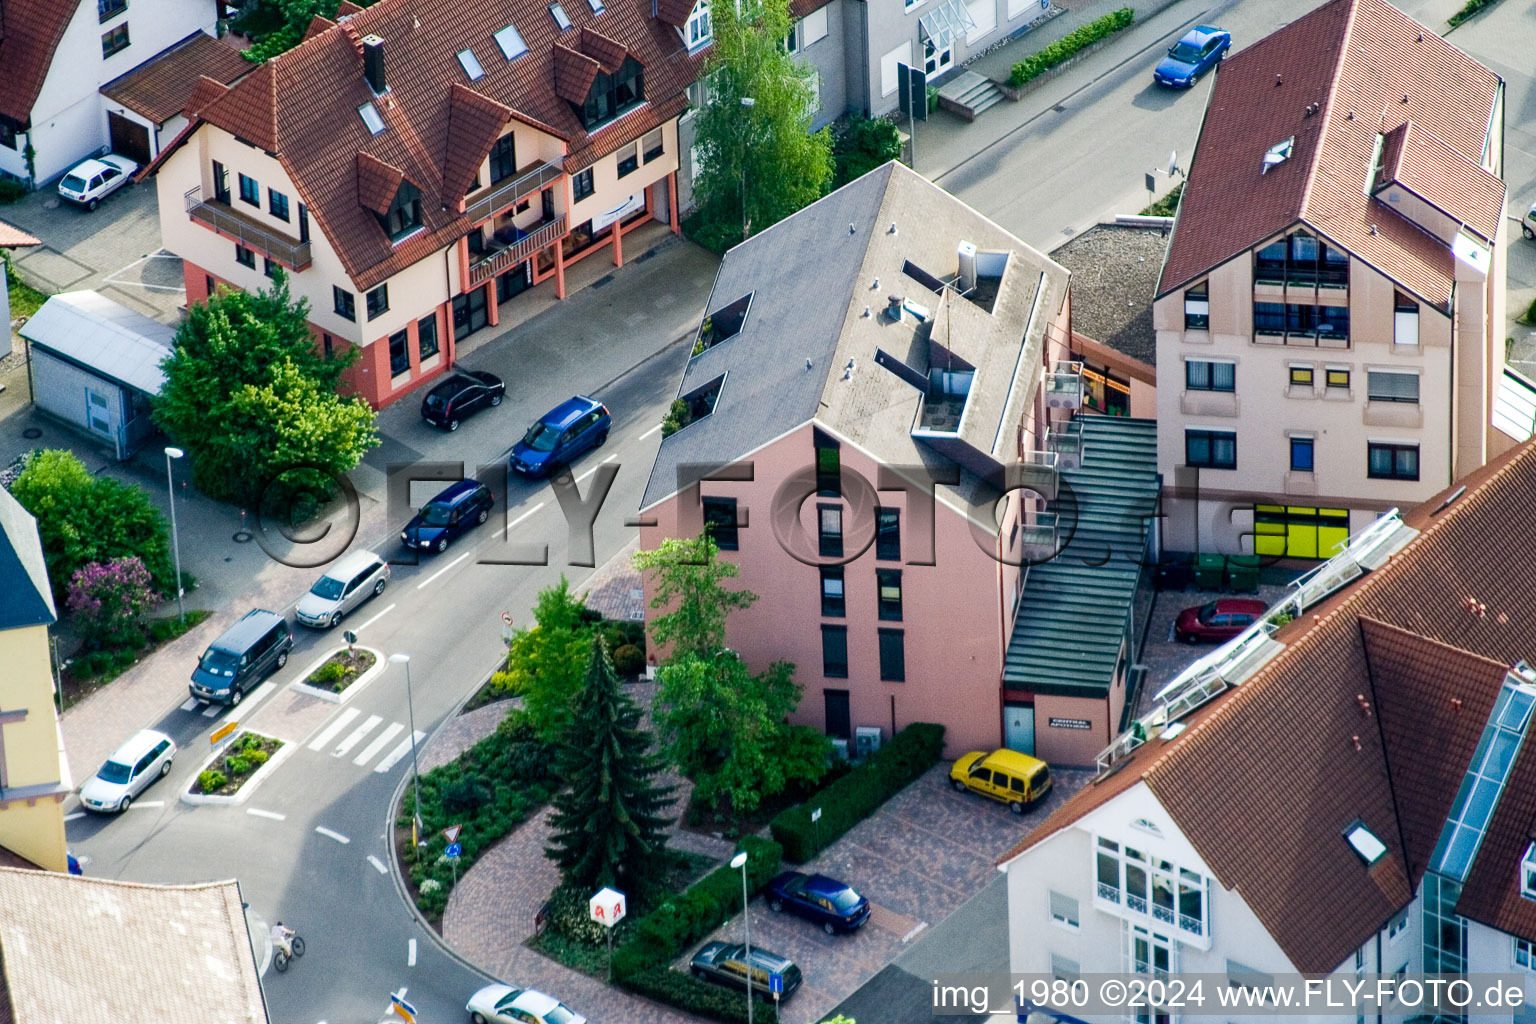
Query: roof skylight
<point>511,43</point>
<point>1365,843</point>
<point>1279,153</point>
<point>471,65</point>
<point>596,5</point>
<point>561,19</point>
<point>371,118</point>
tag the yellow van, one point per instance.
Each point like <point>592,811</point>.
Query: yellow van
<point>1016,779</point>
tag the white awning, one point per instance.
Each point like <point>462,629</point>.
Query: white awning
<point>945,22</point>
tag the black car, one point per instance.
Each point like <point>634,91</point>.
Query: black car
<point>725,963</point>
<point>448,516</point>
<point>460,396</point>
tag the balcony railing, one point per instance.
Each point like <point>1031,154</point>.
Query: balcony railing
<point>1038,473</point>
<point>483,207</point>
<point>1186,923</point>
<point>1039,537</point>
<point>1064,386</point>
<point>221,217</point>
<point>1065,440</point>
<point>1109,893</point>
<point>499,260</point>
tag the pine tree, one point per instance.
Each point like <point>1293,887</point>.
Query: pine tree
<point>608,826</point>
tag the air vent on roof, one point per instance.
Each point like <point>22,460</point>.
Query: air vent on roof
<point>511,43</point>
<point>1277,154</point>
<point>471,65</point>
<point>371,118</point>
<point>558,13</point>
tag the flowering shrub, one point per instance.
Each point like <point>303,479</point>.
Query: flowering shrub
<point>110,600</point>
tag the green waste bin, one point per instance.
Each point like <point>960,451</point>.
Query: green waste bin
<point>1243,573</point>
<point>1209,572</point>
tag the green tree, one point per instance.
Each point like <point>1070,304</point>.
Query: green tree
<point>862,144</point>
<point>279,25</point>
<point>689,572</point>
<point>763,156</point>
<point>725,729</point>
<point>83,518</point>
<point>247,394</point>
<point>544,662</point>
<point>608,826</point>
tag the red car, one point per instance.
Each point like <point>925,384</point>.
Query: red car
<point>1218,620</point>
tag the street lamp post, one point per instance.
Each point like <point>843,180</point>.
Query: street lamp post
<point>170,486</point>
<point>747,103</point>
<point>410,709</point>
<point>740,861</point>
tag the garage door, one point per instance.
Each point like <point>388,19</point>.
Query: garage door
<point>129,138</point>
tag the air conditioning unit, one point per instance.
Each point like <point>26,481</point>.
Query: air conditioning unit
<point>840,747</point>
<point>866,740</point>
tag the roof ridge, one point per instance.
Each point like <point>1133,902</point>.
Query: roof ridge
<point>1333,87</point>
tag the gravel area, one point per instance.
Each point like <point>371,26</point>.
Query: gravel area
<point>1114,276</point>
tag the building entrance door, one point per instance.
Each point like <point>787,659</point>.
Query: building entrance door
<point>1019,727</point>
<point>839,721</point>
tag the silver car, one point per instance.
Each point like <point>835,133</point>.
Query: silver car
<point>129,771</point>
<point>351,581</point>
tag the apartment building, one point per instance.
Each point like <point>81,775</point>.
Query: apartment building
<point>60,58</point>
<point>414,165</point>
<point>1330,315</point>
<point>1345,789</point>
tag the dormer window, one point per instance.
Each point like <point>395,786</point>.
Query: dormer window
<point>1278,154</point>
<point>698,31</point>
<point>1528,873</point>
<point>612,95</point>
<point>404,213</point>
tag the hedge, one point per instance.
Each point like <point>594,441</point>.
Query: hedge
<point>856,795</point>
<point>1037,64</point>
<point>643,963</point>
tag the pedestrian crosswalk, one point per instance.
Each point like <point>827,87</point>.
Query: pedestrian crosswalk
<point>344,732</point>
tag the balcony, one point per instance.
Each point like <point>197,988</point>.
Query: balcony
<point>1064,386</point>
<point>1187,928</point>
<point>220,217</point>
<point>1038,472</point>
<point>488,204</point>
<point>504,257</point>
<point>1039,538</point>
<point>1065,441</point>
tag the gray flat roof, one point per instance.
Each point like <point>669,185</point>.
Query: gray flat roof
<point>104,336</point>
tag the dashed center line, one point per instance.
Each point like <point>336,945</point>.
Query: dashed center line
<point>376,618</point>
<point>343,840</point>
<point>648,433</point>
<point>74,817</point>
<point>378,864</point>
<point>430,579</point>
<point>410,956</point>
<point>520,518</point>
<point>145,803</point>
<point>258,812</point>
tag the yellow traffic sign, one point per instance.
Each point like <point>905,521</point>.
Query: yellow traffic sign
<point>222,731</point>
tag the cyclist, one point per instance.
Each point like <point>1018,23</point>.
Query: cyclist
<point>280,934</point>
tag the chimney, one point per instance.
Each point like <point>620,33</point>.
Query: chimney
<point>373,64</point>
<point>893,307</point>
<point>967,256</point>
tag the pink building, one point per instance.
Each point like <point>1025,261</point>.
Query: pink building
<point>869,404</point>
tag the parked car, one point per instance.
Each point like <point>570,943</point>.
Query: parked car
<point>346,585</point>
<point>460,396</point>
<point>241,657</point>
<point>90,181</point>
<point>1217,621</point>
<point>503,1004</point>
<point>1528,222</point>
<point>448,516</point>
<point>128,772</point>
<point>725,963</point>
<point>830,903</point>
<point>560,435</point>
<point>1202,48</point>
<point>1009,776</point>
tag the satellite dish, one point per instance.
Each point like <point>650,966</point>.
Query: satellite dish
<point>1173,163</point>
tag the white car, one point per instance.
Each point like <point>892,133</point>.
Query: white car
<point>91,181</point>
<point>346,585</point>
<point>129,771</point>
<point>502,1004</point>
<point>1528,222</point>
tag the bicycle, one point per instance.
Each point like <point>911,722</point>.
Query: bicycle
<point>280,959</point>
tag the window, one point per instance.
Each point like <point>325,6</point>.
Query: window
<point>1301,454</point>
<point>399,353</point>
<point>1201,375</point>
<point>267,266</point>
<point>7,136</point>
<point>1197,307</point>
<point>1364,842</point>
<point>698,28</point>
<point>1397,926</point>
<point>378,302</point>
<point>1405,319</point>
<point>404,214</point>
<point>115,40</point>
<point>1269,318</point>
<point>426,337</point>
<point>106,9</point>
<point>720,521</point>
<point>1525,954</point>
<point>250,191</point>
<point>1063,909</point>
<point>561,18</point>
<point>1387,386</point>
<point>597,6</point>
<point>1301,376</point>
<point>1210,449</point>
<point>828,466</point>
<point>511,42</point>
<point>581,185</point>
<point>371,119</point>
<point>329,345</point>
<point>893,656</point>
<point>303,223</point>
<point>1336,378</point>
<point>277,204</point>
<point>834,651</point>
<point>345,302</point>
<point>612,95</point>
<point>1385,461</point>
<point>935,59</point>
<point>652,145</point>
<point>813,81</point>
<point>503,159</point>
<point>1302,259</point>
<point>471,65</point>
<point>830,530</point>
<point>813,27</point>
<point>244,256</point>
<point>888,534</point>
<point>1063,969</point>
<point>833,601</point>
<point>1153,886</point>
<point>629,160</point>
<point>888,582</point>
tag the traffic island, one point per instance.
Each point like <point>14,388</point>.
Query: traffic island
<point>235,769</point>
<point>339,675</point>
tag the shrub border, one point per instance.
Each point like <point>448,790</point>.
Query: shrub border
<point>1069,46</point>
<point>331,696</point>
<point>252,780</point>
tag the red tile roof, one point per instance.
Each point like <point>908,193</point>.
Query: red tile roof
<point>674,12</point>
<point>1437,173</point>
<point>33,29</point>
<point>574,73</point>
<point>377,182</point>
<point>204,92</point>
<point>1402,638</point>
<point>302,106</point>
<point>610,53</point>
<point>1356,61</point>
<point>12,237</point>
<point>159,89</point>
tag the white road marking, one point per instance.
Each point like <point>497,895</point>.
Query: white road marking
<point>376,618</point>
<point>426,582</point>
<point>920,926</point>
<point>610,458</point>
<point>112,277</point>
<point>212,710</point>
<point>410,957</point>
<point>520,518</point>
<point>399,752</point>
<point>356,735</point>
<point>73,817</point>
<point>145,803</point>
<point>335,727</point>
<point>266,814</point>
<point>653,430</point>
<point>343,840</point>
<point>378,864</point>
<point>190,704</point>
<point>371,750</point>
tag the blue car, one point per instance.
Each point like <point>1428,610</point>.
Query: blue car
<point>448,516</point>
<point>828,902</point>
<point>560,435</point>
<point>1201,49</point>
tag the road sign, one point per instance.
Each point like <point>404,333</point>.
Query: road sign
<point>912,84</point>
<point>776,983</point>
<point>506,617</point>
<point>451,833</point>
<point>606,907</point>
<point>816,814</point>
<point>404,1009</point>
<point>222,731</point>
<point>454,849</point>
